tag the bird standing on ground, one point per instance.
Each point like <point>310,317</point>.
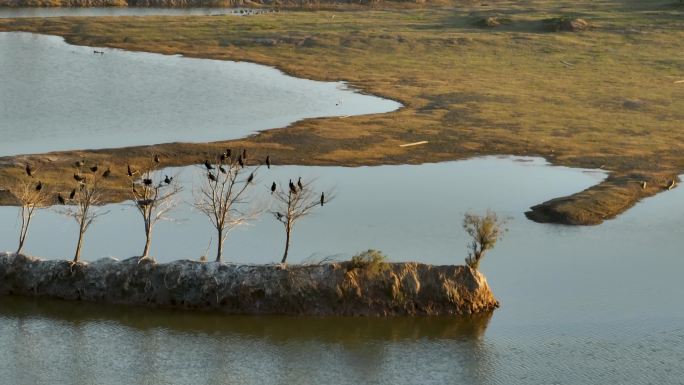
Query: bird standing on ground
<point>29,170</point>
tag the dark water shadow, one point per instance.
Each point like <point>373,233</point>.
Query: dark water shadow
<point>344,330</point>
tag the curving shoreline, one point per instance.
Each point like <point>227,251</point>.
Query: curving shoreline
<point>410,289</point>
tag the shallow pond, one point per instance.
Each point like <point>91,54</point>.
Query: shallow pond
<point>57,96</point>
<point>580,305</point>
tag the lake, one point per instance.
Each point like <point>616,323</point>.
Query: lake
<point>72,98</point>
<point>579,304</point>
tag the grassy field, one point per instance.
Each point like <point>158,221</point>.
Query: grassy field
<point>605,97</point>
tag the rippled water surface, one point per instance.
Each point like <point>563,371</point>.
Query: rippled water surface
<point>579,305</point>
<point>56,96</point>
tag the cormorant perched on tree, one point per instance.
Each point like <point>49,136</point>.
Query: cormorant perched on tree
<point>106,173</point>
<point>211,177</point>
<point>250,178</point>
<point>208,165</point>
<point>144,202</point>
<point>268,161</point>
<point>279,215</point>
<point>72,194</point>
<point>229,153</point>
<point>223,170</point>
<point>79,178</point>
<point>94,168</point>
<point>60,199</point>
<point>79,164</point>
<point>39,186</point>
<point>322,198</point>
<point>273,188</point>
<point>223,157</point>
<point>29,170</point>
<point>167,180</point>
<point>293,189</point>
<point>147,182</point>
<point>299,183</point>
<point>244,153</point>
<point>241,161</point>
<point>130,172</point>
<point>156,158</point>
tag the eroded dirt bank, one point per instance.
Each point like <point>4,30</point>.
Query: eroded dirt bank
<point>325,289</point>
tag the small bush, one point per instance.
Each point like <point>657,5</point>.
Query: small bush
<point>372,261</point>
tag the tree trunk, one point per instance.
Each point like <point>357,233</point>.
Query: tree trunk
<point>23,230</point>
<point>219,245</point>
<point>148,243</point>
<point>79,245</point>
<point>287,243</point>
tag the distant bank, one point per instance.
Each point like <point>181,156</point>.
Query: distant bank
<point>323,289</point>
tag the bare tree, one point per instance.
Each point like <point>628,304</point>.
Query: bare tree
<point>484,232</point>
<point>153,197</point>
<point>32,197</point>
<point>82,203</point>
<point>224,196</point>
<point>293,203</point>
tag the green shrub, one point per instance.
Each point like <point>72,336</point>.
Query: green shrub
<point>371,261</point>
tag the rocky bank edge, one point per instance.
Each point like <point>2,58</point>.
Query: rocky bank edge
<point>325,289</point>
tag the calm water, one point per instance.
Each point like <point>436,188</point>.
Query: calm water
<point>114,11</point>
<point>580,305</point>
<point>71,98</point>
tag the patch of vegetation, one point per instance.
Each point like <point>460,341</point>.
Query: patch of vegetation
<point>371,261</point>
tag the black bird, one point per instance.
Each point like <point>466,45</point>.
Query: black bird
<point>229,153</point>
<point>208,165</point>
<point>144,202</point>
<point>279,215</point>
<point>130,172</point>
<point>79,178</point>
<point>211,177</point>
<point>72,194</point>
<point>241,161</point>
<point>244,154</point>
<point>250,178</point>
<point>322,199</point>
<point>299,183</point>
<point>273,188</point>
<point>61,199</point>
<point>106,173</point>
<point>223,157</point>
<point>156,158</point>
<point>29,170</point>
<point>94,168</point>
<point>147,182</point>
<point>39,186</point>
<point>268,161</point>
<point>293,189</point>
<point>79,164</point>
<point>223,170</point>
<point>167,180</point>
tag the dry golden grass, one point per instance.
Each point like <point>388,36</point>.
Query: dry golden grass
<point>606,97</point>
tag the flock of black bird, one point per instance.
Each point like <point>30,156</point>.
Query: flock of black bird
<point>226,155</point>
